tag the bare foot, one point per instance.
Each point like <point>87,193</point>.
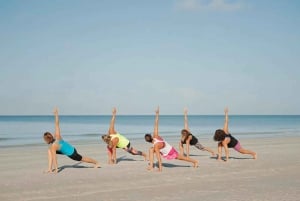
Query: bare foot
<point>255,156</point>
<point>97,165</point>
<point>149,168</point>
<point>196,164</point>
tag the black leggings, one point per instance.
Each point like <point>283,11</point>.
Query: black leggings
<point>75,156</point>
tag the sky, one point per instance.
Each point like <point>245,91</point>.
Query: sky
<point>86,57</point>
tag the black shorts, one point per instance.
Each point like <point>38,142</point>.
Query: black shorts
<point>75,156</point>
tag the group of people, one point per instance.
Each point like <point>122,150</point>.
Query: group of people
<point>160,148</point>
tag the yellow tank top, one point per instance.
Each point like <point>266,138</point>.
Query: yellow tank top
<point>123,141</point>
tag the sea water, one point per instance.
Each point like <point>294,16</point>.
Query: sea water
<point>29,130</point>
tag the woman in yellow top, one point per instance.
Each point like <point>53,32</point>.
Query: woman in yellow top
<point>115,140</point>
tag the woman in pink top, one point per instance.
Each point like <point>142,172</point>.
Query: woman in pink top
<point>162,148</point>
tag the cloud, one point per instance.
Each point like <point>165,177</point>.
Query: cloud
<point>210,5</point>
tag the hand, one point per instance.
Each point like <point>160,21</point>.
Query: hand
<point>55,111</point>
<point>157,110</point>
<point>47,171</point>
<point>150,168</point>
<point>112,161</point>
<point>51,171</point>
<point>114,111</point>
<point>226,110</point>
<point>185,111</point>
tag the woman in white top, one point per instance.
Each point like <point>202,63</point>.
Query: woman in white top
<point>162,148</point>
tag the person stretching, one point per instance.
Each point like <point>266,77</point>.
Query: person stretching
<point>59,146</point>
<point>115,140</point>
<point>162,148</point>
<point>226,140</point>
<point>189,139</point>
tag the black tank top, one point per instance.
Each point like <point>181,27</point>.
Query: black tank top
<point>193,141</point>
<point>232,142</point>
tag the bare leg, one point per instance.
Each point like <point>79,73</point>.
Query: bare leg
<point>201,147</point>
<point>133,151</point>
<point>90,160</point>
<point>245,151</point>
<point>181,157</point>
<point>209,150</point>
<point>219,150</point>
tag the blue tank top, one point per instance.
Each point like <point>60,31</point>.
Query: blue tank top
<point>65,148</point>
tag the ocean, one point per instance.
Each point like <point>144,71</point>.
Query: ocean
<point>28,130</point>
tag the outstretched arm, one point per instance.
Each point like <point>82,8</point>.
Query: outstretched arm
<point>226,121</point>
<point>188,146</point>
<point>181,148</point>
<point>57,129</point>
<point>114,150</point>
<point>225,145</point>
<point>54,157</point>
<point>158,157</point>
<point>112,122</point>
<point>186,125</point>
<point>155,133</point>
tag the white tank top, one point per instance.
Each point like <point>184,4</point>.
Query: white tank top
<point>167,148</point>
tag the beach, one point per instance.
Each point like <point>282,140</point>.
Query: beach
<point>273,176</point>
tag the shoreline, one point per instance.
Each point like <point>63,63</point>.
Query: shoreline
<point>169,138</point>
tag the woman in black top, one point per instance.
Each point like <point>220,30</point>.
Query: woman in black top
<point>189,139</point>
<point>226,140</point>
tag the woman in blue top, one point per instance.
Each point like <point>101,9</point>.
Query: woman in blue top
<point>226,140</point>
<point>58,146</point>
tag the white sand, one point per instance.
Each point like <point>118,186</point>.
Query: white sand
<point>273,176</point>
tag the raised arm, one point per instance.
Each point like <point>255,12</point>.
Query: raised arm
<point>155,133</point>
<point>226,121</point>
<point>112,122</point>
<point>186,125</point>
<point>57,129</point>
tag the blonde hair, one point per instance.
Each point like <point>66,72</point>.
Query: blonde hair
<point>107,140</point>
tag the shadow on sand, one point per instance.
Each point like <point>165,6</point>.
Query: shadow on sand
<point>76,165</point>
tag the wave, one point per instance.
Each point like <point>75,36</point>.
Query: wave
<point>6,138</point>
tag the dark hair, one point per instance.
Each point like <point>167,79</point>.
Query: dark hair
<point>48,137</point>
<point>148,137</point>
<point>219,135</point>
<point>185,131</point>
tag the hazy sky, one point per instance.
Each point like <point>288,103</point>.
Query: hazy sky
<point>87,56</point>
